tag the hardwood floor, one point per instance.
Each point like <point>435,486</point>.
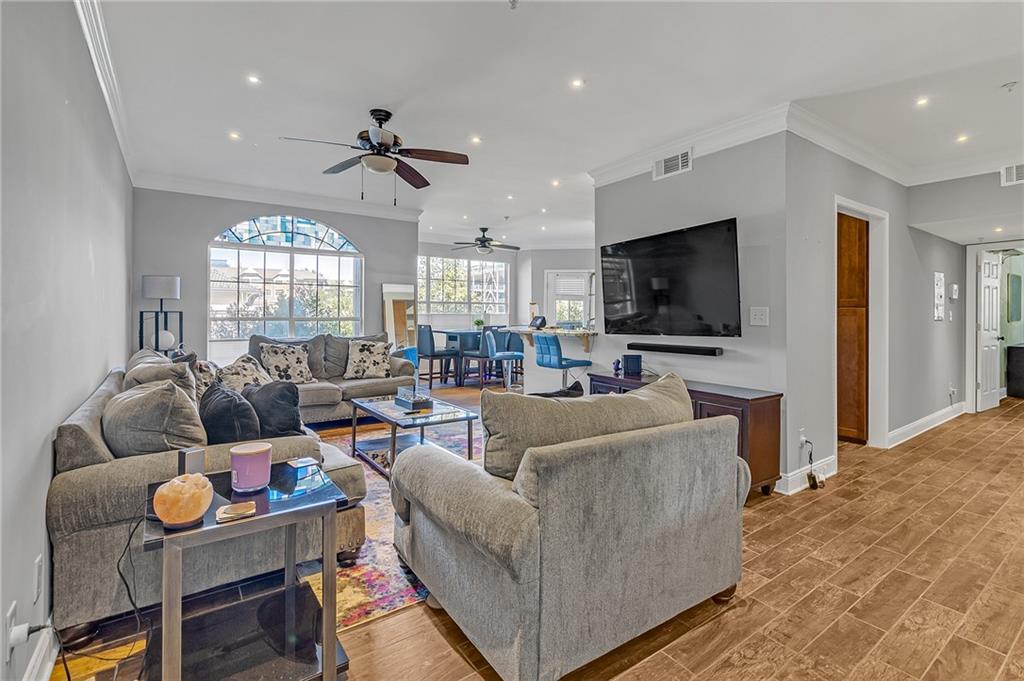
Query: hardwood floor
<point>909,564</point>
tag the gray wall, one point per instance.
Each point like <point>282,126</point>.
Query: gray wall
<point>530,279</point>
<point>966,197</point>
<point>172,232</point>
<point>66,241</point>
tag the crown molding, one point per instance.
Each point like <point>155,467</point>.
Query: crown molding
<point>982,165</point>
<point>815,129</point>
<point>240,192</point>
<point>731,134</point>
<point>90,16</point>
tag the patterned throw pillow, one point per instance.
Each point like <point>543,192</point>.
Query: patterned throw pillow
<point>242,372</point>
<point>287,362</point>
<point>367,359</point>
<point>205,373</point>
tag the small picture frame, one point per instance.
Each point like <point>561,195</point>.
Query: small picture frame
<point>940,297</point>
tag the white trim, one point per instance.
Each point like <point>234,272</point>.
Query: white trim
<point>704,142</point>
<point>1002,393</point>
<point>982,165</point>
<point>279,198</point>
<point>878,319</point>
<point>791,483</point>
<point>928,422</point>
<point>970,298</point>
<point>44,656</point>
<point>93,28</point>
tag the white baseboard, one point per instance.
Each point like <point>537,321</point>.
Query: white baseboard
<point>927,423</point>
<point>791,483</point>
<point>1002,393</point>
<point>44,656</point>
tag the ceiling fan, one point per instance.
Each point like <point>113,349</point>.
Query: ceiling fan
<point>381,146</point>
<point>484,244</point>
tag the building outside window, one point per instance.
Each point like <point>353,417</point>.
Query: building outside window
<point>458,286</point>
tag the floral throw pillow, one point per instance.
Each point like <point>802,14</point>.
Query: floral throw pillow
<point>367,359</point>
<point>287,362</point>
<point>242,372</point>
<point>205,372</point>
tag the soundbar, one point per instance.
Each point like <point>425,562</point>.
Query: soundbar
<point>705,350</point>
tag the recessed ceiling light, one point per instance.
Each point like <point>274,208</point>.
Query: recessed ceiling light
<point>430,227</point>
<point>577,83</point>
<point>509,197</point>
<point>543,210</point>
<point>504,236</point>
<point>922,101</point>
<point>998,229</point>
<point>234,135</point>
<point>542,228</point>
<point>253,79</point>
<point>962,138</point>
<point>555,183</point>
<point>465,217</point>
<point>475,139</point>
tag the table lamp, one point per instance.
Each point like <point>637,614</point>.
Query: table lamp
<point>162,287</point>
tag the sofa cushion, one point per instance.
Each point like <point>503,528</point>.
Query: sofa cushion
<point>152,417</point>
<point>277,406</point>
<point>242,372</point>
<point>79,440</point>
<point>352,388</point>
<point>346,472</point>
<point>318,393</point>
<point>287,362</point>
<point>367,359</point>
<point>205,373</point>
<point>336,352</point>
<point>227,416</point>
<point>314,355</point>
<point>145,356</point>
<point>179,374</point>
<point>513,423</point>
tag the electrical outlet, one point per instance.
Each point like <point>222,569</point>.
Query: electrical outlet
<point>759,316</point>
<point>37,590</point>
<point>9,620</point>
<point>803,437</point>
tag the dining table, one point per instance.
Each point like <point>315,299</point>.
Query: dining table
<point>463,339</point>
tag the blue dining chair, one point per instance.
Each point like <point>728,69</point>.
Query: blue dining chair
<point>425,350</point>
<point>503,357</point>
<point>549,356</point>
<point>515,344</point>
<point>476,352</point>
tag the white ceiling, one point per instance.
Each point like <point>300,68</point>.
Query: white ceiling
<point>981,229</point>
<point>453,70</point>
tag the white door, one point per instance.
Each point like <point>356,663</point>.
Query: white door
<point>988,330</point>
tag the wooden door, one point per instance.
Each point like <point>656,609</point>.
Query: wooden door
<point>852,328</point>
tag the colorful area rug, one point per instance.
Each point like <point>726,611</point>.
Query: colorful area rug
<point>377,584</point>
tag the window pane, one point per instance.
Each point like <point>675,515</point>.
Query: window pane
<point>250,300</point>
<point>248,233</point>
<point>327,268</point>
<point>569,310</point>
<point>278,268</point>
<point>351,271</point>
<point>329,327</point>
<point>278,301</point>
<point>223,299</point>
<point>305,300</point>
<point>348,328</point>
<point>327,302</point>
<point>305,329</point>
<point>250,328</point>
<point>221,329</point>
<point>223,264</point>
<point>250,265</point>
<point>305,268</point>
<point>347,302</point>
<point>277,329</point>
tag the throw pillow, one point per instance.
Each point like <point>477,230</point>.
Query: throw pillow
<point>277,407</point>
<point>227,416</point>
<point>179,374</point>
<point>242,372</point>
<point>513,423</point>
<point>336,353</point>
<point>145,356</point>
<point>367,359</point>
<point>205,373</point>
<point>286,362</point>
<point>315,355</point>
<point>181,356</point>
<point>152,417</point>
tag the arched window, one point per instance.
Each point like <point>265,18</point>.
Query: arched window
<point>283,277</point>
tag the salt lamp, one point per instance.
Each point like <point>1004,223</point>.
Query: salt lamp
<point>182,501</point>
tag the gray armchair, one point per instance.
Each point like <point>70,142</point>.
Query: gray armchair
<point>595,541</point>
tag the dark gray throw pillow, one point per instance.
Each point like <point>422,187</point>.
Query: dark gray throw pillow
<point>277,406</point>
<point>227,416</point>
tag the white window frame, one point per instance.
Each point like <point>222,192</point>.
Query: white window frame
<point>550,300</point>
<point>466,305</point>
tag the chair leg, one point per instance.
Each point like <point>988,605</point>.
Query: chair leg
<point>565,379</point>
<point>430,373</point>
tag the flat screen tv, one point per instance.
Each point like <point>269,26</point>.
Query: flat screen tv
<point>680,283</point>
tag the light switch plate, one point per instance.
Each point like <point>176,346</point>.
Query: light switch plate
<point>759,316</point>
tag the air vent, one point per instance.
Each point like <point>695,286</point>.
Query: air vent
<point>672,165</point>
<point>1013,175</point>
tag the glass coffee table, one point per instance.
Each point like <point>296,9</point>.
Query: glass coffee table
<point>399,418</point>
<point>279,635</point>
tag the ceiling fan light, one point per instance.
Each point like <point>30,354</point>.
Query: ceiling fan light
<point>484,250</point>
<point>377,163</point>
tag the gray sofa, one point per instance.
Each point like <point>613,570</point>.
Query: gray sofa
<point>95,497</point>
<point>330,397</point>
<point>593,542</point>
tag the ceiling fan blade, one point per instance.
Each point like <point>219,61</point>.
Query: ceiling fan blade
<point>464,243</point>
<point>435,155</point>
<point>410,175</point>
<point>462,248</point>
<point>303,139</point>
<point>344,165</point>
<point>507,247</point>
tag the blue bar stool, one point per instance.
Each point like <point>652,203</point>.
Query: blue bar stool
<point>515,344</point>
<point>425,350</point>
<point>505,358</point>
<point>549,356</point>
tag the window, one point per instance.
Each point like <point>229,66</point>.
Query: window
<point>453,285</point>
<point>568,295</point>
<point>282,277</point>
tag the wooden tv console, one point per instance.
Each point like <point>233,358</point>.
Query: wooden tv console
<point>759,413</point>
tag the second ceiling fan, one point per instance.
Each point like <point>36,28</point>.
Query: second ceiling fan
<point>484,244</point>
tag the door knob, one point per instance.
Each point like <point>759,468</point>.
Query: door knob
<point>1001,338</point>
